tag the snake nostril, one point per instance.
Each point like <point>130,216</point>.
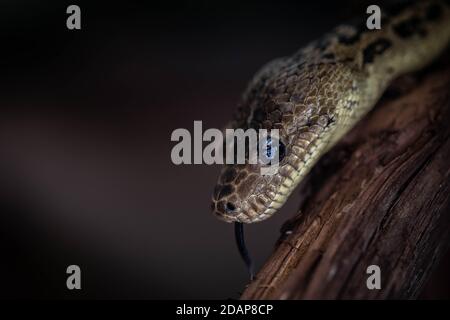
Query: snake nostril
<point>230,207</point>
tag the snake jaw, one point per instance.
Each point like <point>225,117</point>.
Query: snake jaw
<point>252,199</point>
<point>226,218</point>
<point>246,213</point>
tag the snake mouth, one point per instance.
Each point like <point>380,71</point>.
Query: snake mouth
<point>224,218</point>
<point>256,202</point>
<point>241,217</point>
<point>230,213</point>
<point>237,215</point>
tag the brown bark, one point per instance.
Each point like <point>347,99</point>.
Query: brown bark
<point>381,197</point>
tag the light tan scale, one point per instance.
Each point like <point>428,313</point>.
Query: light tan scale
<point>317,95</point>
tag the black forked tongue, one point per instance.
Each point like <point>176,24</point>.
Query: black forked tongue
<point>240,241</point>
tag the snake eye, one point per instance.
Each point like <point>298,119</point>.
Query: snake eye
<point>272,151</point>
<point>230,208</point>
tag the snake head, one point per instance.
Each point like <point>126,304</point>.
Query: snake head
<point>244,194</point>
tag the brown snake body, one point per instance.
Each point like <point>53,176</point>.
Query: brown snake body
<point>318,94</point>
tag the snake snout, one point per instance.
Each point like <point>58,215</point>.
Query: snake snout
<point>224,209</point>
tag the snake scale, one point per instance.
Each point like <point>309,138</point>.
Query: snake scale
<point>317,95</point>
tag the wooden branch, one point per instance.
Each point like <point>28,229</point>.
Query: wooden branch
<point>381,197</point>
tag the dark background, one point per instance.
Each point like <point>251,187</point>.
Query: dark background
<point>86,117</point>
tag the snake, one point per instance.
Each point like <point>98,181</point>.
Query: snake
<point>316,95</point>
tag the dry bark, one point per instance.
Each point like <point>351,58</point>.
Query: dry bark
<point>381,197</point>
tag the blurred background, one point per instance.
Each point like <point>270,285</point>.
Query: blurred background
<point>86,117</point>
